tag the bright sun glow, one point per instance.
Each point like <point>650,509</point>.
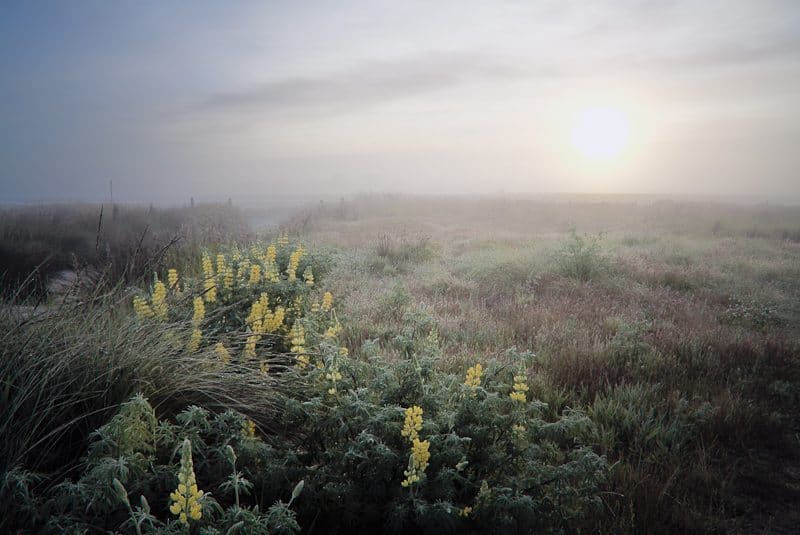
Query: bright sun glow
<point>601,133</point>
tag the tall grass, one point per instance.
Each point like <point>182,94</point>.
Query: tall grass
<point>66,368</point>
<point>110,242</point>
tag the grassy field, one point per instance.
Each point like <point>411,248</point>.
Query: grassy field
<point>675,326</point>
<point>639,370</point>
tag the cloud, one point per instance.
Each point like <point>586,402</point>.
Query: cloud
<point>367,85</point>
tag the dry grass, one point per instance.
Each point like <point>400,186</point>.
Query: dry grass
<point>681,334</point>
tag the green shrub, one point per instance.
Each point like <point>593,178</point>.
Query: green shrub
<point>392,255</point>
<point>381,444</point>
<point>495,464</point>
<point>579,257</point>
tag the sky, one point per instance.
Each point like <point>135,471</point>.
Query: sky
<point>248,100</point>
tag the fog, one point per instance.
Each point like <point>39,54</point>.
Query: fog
<point>210,100</point>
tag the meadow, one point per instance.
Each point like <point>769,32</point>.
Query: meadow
<point>398,364</point>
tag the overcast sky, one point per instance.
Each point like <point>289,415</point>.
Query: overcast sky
<point>247,99</point>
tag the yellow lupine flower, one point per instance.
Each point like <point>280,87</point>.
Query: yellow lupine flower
<point>297,338</point>
<point>343,352</point>
<point>220,263</point>
<point>274,321</point>
<point>333,332</point>
<point>209,284</point>
<point>160,300</point>
<point>250,345</point>
<point>417,462</point>
<point>255,274</point>
<point>465,512</point>
<point>283,241</point>
<point>227,278</point>
<point>141,308</point>
<point>308,276</point>
<point>474,375</point>
<point>249,428</point>
<point>327,302</point>
<point>243,271</point>
<point>255,319</point>
<point>272,273</point>
<point>264,367</point>
<point>413,422</point>
<point>199,311</point>
<point>185,499</point>
<point>222,352</point>
<point>208,267</point>
<point>194,340</point>
<point>172,279</point>
<point>271,255</point>
<point>294,263</point>
<point>520,389</point>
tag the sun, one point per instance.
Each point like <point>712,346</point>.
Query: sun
<point>601,133</point>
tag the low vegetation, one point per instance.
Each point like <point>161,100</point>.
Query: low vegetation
<point>406,366</point>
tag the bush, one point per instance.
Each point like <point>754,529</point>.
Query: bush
<point>391,445</point>
<point>579,257</point>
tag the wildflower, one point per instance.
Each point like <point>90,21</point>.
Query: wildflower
<point>294,263</point>
<point>520,389</point>
<point>227,279</point>
<point>199,311</point>
<point>250,345</point>
<point>194,340</point>
<point>283,240</point>
<point>417,462</point>
<point>333,332</point>
<point>222,352</point>
<point>274,321</point>
<point>255,319</point>
<point>185,499</point>
<point>327,302</point>
<point>141,308</point>
<point>243,271</point>
<point>465,512</point>
<point>333,376</point>
<point>271,255</point>
<point>264,367</point>
<point>209,284</point>
<point>314,307</point>
<point>343,352</point>
<point>308,276</point>
<point>413,422</point>
<point>220,263</point>
<point>255,274</point>
<point>172,279</point>
<point>298,338</point>
<point>303,361</point>
<point>249,428</point>
<point>160,300</point>
<point>474,375</point>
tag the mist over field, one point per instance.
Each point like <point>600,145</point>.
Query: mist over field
<point>467,267</point>
<point>210,100</point>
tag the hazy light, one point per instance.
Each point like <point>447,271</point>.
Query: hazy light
<point>601,133</point>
